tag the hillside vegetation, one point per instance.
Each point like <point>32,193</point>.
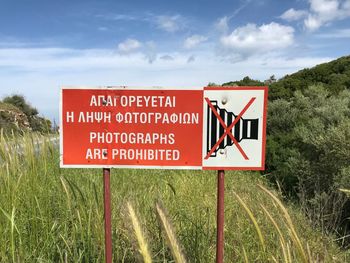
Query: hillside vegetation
<point>18,116</point>
<point>48,214</point>
<point>308,141</point>
<point>333,76</point>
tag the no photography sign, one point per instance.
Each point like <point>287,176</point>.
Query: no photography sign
<point>207,128</point>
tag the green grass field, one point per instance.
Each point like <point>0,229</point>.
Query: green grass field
<point>48,214</point>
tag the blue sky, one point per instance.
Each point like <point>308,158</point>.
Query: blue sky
<point>48,44</point>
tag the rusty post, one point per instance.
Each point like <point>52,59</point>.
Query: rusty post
<point>220,217</point>
<point>107,214</point>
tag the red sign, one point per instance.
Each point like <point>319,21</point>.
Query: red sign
<point>162,128</point>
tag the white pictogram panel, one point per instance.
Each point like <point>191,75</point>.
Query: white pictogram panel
<point>234,124</point>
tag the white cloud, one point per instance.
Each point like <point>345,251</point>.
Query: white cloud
<point>128,46</point>
<point>37,73</point>
<point>320,12</point>
<point>293,15</point>
<point>193,41</point>
<point>312,22</point>
<point>325,11</point>
<point>170,23</point>
<point>251,39</point>
<point>324,6</point>
<point>222,24</point>
<point>339,33</point>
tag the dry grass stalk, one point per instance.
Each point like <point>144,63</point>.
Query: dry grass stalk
<point>309,252</point>
<point>289,253</point>
<point>274,224</point>
<point>143,246</point>
<point>282,240</point>
<point>245,255</point>
<point>290,224</point>
<point>173,242</point>
<point>253,219</point>
<point>284,252</point>
<point>65,188</point>
<point>346,191</point>
<point>274,259</point>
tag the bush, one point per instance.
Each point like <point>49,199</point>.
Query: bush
<point>20,103</point>
<point>17,103</point>
<point>308,152</point>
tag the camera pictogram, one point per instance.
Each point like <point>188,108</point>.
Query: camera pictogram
<point>244,129</point>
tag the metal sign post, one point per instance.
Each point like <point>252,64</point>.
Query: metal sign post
<point>107,214</point>
<point>125,127</point>
<point>220,217</point>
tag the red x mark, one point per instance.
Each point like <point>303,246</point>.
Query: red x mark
<point>228,129</point>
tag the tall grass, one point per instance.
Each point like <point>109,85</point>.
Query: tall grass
<point>48,214</point>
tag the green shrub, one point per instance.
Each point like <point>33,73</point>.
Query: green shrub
<point>308,152</point>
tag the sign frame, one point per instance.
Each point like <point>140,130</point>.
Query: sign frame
<point>245,88</point>
<point>200,167</point>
